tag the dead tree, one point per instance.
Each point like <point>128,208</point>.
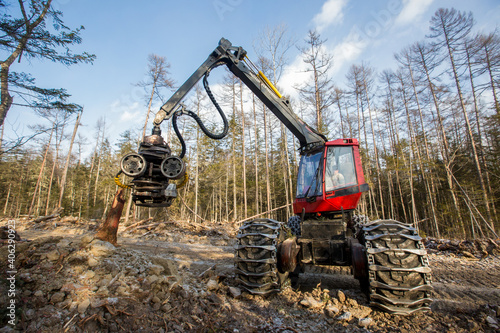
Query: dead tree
<point>450,28</point>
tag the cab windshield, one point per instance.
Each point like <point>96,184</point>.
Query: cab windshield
<point>339,168</point>
<point>310,176</point>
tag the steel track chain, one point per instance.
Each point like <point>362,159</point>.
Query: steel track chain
<point>398,269</point>
<point>256,256</point>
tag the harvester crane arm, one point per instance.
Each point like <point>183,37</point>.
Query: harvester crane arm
<point>235,60</point>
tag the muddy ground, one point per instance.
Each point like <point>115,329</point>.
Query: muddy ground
<point>178,277</point>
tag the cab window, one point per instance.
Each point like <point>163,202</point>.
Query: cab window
<point>339,168</point>
<point>309,181</point>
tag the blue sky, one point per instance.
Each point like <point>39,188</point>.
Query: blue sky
<point>122,34</point>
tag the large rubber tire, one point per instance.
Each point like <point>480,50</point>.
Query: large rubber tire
<point>398,269</point>
<point>256,264</point>
<point>294,225</point>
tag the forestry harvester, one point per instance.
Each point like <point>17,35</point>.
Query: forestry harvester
<point>386,256</point>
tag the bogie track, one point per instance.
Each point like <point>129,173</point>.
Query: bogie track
<point>395,273</point>
<point>398,270</point>
<point>256,256</point>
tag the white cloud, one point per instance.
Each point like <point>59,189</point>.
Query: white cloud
<point>347,51</point>
<point>331,13</point>
<point>344,54</point>
<point>293,75</point>
<point>128,111</point>
<point>412,10</point>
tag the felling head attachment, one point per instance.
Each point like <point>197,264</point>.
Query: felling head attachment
<point>152,168</point>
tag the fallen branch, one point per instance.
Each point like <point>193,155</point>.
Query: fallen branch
<point>269,211</point>
<point>54,214</point>
<point>148,227</point>
<point>422,220</point>
<point>66,328</point>
<point>114,279</point>
<point>202,275</point>
<point>83,321</point>
<point>137,224</point>
<point>147,233</point>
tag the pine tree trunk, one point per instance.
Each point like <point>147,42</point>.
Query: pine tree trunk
<point>469,133</point>
<point>227,189</point>
<point>289,172</point>
<point>268,188</point>
<point>441,130</point>
<point>377,163</point>
<point>317,99</point>
<point>56,158</point>
<point>7,200</point>
<point>92,164</point>
<point>149,110</point>
<point>397,151</point>
<point>233,154</point>
<point>99,159</point>
<point>390,209</point>
<point>243,153</point>
<point>479,131</point>
<point>105,202</point>
<point>66,165</point>
<point>39,179</point>
<point>256,135</point>
<point>371,195</point>
<point>411,156</point>
<point>197,168</point>
<point>492,79</point>
<point>127,211</point>
<point>340,118</point>
<point>430,194</point>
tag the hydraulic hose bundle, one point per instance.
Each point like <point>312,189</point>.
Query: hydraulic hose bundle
<point>193,115</point>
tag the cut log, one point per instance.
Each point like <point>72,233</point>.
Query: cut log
<point>137,224</point>
<point>107,231</point>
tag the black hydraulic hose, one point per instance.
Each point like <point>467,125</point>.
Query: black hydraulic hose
<point>217,106</point>
<point>179,136</point>
<point>202,127</point>
<point>198,119</point>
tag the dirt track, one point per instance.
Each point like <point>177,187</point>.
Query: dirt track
<point>466,292</point>
<point>459,283</point>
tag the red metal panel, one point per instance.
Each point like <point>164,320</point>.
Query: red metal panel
<point>359,168</point>
<point>322,204</point>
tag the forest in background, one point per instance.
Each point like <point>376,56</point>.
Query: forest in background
<point>429,132</point>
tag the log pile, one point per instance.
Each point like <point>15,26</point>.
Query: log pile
<point>473,249</point>
<point>208,229</point>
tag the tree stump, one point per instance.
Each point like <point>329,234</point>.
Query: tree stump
<point>108,230</point>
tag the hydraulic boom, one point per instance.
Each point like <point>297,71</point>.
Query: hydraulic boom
<point>236,61</point>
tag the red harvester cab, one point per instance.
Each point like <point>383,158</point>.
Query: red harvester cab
<point>330,180</point>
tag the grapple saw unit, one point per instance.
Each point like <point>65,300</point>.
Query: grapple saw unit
<point>386,256</point>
